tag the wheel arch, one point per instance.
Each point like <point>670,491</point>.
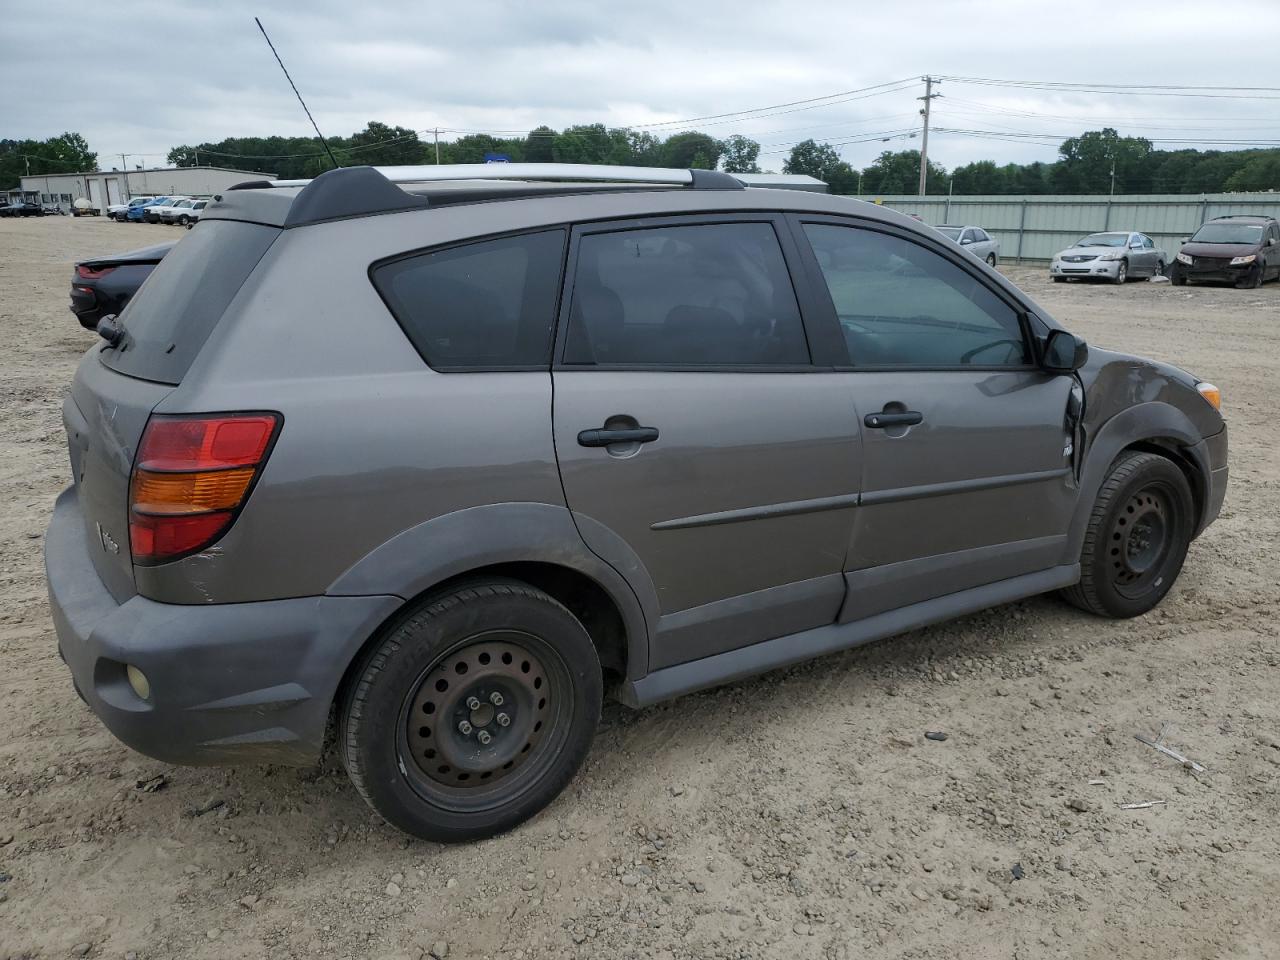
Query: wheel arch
<point>1153,427</point>
<point>534,543</point>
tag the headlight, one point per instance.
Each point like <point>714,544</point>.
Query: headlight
<point>1241,261</point>
<point>1211,394</point>
<point>1112,256</point>
<point>1184,258</point>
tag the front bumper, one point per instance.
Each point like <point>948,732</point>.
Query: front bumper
<point>230,683</point>
<point>1220,272</point>
<point>1215,455</point>
<point>1101,269</point>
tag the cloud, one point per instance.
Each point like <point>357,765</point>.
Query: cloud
<point>141,76</point>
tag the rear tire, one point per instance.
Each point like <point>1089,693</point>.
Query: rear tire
<point>1159,269</point>
<point>472,714</point>
<point>991,260</point>
<point>1137,538</point>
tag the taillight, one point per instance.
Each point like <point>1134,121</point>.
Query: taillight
<point>92,273</point>
<point>191,477</point>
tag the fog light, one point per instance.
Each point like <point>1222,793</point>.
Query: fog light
<point>138,680</point>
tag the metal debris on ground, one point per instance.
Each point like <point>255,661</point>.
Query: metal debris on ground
<point>935,735</point>
<point>1141,806</point>
<point>1186,762</point>
<point>1017,871</point>
<point>1097,783</point>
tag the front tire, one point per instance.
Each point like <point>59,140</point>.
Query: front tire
<point>1122,272</point>
<point>991,260</point>
<point>474,713</point>
<point>1137,538</point>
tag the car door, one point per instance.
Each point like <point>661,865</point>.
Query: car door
<point>702,453</point>
<point>1142,259</point>
<point>966,454</point>
<point>1271,249</point>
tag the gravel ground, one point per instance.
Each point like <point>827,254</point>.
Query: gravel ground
<point>801,815</point>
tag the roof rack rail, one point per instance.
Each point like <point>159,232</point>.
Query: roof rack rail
<point>584,172</point>
<point>362,191</point>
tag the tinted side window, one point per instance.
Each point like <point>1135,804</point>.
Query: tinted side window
<point>489,304</point>
<point>900,304</point>
<point>980,235</point>
<point>710,294</point>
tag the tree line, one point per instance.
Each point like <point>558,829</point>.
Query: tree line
<point>1096,162</point>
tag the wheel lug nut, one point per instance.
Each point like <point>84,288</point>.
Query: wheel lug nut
<point>464,728</point>
<point>473,703</point>
<point>484,737</point>
<point>504,720</point>
<point>495,698</point>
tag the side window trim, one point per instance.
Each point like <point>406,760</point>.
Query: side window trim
<point>808,307</point>
<point>830,322</point>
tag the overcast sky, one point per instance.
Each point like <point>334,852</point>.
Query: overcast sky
<point>140,77</point>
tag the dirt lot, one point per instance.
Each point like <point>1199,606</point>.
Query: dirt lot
<point>800,815</point>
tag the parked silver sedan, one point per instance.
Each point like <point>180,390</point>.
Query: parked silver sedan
<point>974,239</point>
<point>1115,255</point>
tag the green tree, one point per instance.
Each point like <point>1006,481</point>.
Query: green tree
<point>980,178</point>
<point>539,145</point>
<point>812,158</point>
<point>1260,173</point>
<point>1089,159</point>
<point>380,145</point>
<point>66,153</point>
<point>899,173</point>
<point>692,151</point>
<point>741,154</point>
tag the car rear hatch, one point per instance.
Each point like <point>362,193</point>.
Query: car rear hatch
<point>116,387</point>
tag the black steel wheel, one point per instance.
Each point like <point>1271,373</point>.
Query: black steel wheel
<point>472,714</point>
<point>1137,537</point>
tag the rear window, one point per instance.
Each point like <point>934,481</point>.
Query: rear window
<point>488,305</point>
<point>175,310</point>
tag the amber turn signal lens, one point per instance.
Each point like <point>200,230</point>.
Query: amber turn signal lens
<point>180,493</point>
<point>1211,393</point>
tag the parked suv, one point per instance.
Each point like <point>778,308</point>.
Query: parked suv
<point>318,474</point>
<point>1238,249</point>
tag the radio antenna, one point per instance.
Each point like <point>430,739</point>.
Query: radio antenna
<point>327,150</point>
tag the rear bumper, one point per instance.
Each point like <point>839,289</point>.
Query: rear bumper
<point>230,683</point>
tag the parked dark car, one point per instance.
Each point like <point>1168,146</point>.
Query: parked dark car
<point>1242,250</point>
<point>23,208</point>
<point>320,486</point>
<point>105,284</point>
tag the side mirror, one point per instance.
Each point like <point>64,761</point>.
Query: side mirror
<point>1271,241</point>
<point>1064,352</point>
<point>964,240</point>
<point>1186,239</point>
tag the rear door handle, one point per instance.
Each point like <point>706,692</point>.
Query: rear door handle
<point>603,437</point>
<point>878,421</point>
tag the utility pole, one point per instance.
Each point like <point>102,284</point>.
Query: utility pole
<point>124,166</point>
<point>1113,176</point>
<point>928,98</point>
<point>437,146</point>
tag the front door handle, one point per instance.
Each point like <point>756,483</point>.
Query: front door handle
<point>879,421</point>
<point>604,436</point>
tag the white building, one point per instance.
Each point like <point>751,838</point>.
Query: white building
<point>103,188</point>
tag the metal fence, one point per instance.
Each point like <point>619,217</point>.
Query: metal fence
<point>1037,227</point>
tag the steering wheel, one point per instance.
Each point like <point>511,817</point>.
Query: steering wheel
<point>968,356</point>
